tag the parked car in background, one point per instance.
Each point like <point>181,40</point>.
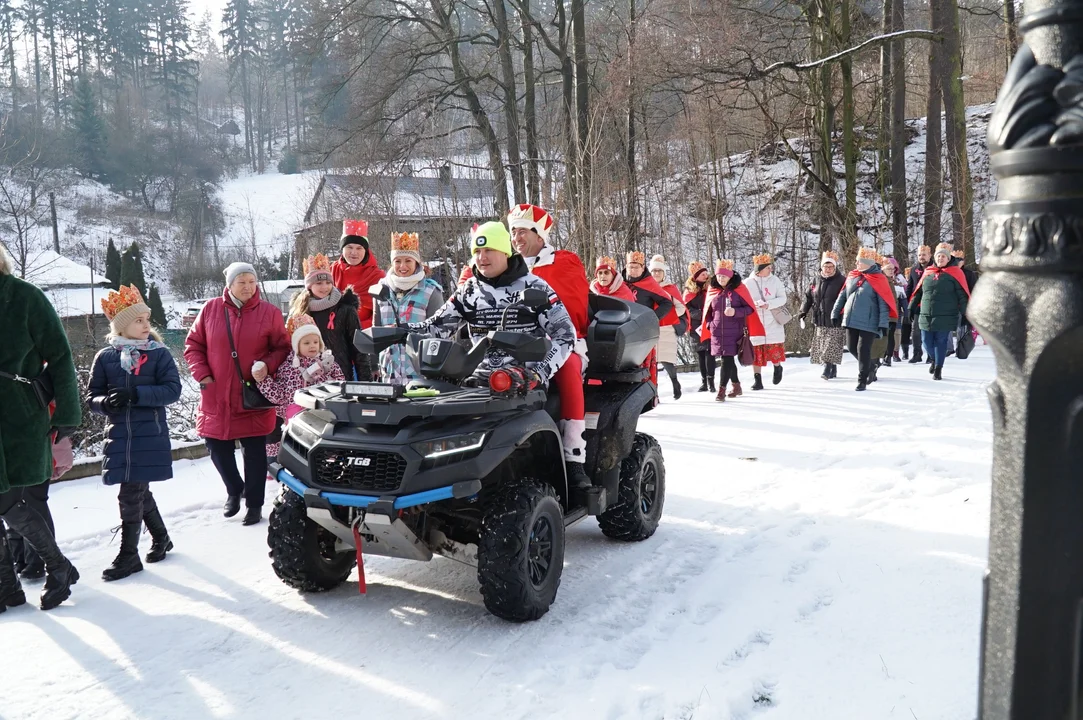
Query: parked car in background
<point>192,312</point>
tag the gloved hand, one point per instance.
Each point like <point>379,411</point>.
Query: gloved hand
<point>118,399</point>
<point>313,372</point>
<point>327,360</point>
<point>836,322</point>
<point>522,380</point>
<point>61,432</point>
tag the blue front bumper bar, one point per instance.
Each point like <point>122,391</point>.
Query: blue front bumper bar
<point>359,501</point>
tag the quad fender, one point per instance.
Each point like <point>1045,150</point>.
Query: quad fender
<point>619,406</point>
<point>528,439</point>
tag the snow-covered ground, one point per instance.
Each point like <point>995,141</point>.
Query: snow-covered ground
<point>820,558</point>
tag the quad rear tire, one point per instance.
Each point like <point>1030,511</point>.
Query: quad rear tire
<point>521,550</point>
<point>303,553</point>
<point>641,494</point>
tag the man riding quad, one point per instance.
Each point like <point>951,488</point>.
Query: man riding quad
<point>563,271</point>
<point>488,301</point>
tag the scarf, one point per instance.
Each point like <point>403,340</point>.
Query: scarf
<point>235,300</point>
<point>879,283</point>
<point>132,352</point>
<point>546,256</point>
<point>404,284</point>
<point>609,289</point>
<point>317,305</point>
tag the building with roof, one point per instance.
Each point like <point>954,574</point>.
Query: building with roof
<point>434,203</point>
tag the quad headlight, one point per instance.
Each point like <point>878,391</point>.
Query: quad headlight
<point>442,447</point>
<point>303,434</point>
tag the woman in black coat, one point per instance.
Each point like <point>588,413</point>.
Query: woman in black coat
<point>695,296</point>
<point>131,383</point>
<point>827,344</point>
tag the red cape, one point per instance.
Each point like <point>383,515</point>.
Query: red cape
<point>952,270</point>
<point>568,278</point>
<point>651,285</point>
<point>360,277</point>
<point>755,325</point>
<point>879,283</point>
<point>675,292</point>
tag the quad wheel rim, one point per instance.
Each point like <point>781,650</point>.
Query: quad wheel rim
<point>648,488</point>
<point>540,551</point>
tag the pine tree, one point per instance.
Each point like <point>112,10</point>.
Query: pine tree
<point>131,269</point>
<point>157,310</point>
<point>240,31</point>
<point>112,265</point>
<point>88,131</point>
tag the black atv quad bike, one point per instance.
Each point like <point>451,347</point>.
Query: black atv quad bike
<point>472,473</point>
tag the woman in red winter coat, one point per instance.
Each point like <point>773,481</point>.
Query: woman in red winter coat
<point>607,281</point>
<point>650,294</point>
<point>259,335</point>
<point>357,269</point>
<point>695,297</point>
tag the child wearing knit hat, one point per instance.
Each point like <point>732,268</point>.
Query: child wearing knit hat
<point>131,383</point>
<point>335,313</point>
<point>309,363</point>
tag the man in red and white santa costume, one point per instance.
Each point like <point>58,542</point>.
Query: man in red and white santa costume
<point>530,226</point>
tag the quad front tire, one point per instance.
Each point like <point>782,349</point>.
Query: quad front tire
<point>641,494</point>
<point>303,553</point>
<point>521,550</point>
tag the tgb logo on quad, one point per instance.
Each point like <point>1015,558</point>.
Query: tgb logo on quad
<point>359,461</point>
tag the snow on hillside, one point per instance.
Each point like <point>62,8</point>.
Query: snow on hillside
<point>763,193</point>
<point>267,208</point>
<point>819,558</point>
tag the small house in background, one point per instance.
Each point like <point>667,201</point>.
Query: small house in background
<point>432,202</point>
<point>76,292</point>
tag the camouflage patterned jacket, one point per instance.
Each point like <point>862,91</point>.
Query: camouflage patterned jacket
<point>480,303</point>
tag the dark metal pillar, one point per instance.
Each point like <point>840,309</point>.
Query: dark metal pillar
<point>1029,306</point>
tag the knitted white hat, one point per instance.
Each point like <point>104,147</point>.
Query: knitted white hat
<point>658,262</point>
<point>298,327</point>
<point>239,268</point>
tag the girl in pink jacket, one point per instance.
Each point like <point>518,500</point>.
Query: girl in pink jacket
<point>310,363</point>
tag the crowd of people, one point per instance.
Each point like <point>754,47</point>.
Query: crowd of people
<point>249,360</point>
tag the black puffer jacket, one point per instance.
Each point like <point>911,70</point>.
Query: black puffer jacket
<point>337,326</point>
<point>820,298</point>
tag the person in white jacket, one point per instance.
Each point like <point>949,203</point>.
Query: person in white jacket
<point>769,295</point>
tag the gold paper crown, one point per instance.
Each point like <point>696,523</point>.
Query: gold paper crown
<point>831,254</point>
<point>317,263</point>
<point>958,254</point>
<point>119,300</point>
<point>694,267</point>
<point>945,247</point>
<point>637,257</point>
<point>726,264</point>
<point>925,248</point>
<point>405,242</point>
<point>764,259</point>
<point>296,321</point>
<point>606,262</point>
<point>882,259</point>
<point>868,254</point>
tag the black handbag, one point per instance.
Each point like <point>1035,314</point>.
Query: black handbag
<point>251,397</point>
<point>42,386</point>
<point>964,341</point>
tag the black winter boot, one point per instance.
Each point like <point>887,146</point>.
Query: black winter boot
<point>18,554</point>
<point>872,371</point>
<point>33,565</point>
<point>887,362</point>
<point>906,352</point>
<point>758,385</point>
<point>710,383</point>
<point>127,560</point>
<point>827,372</point>
<point>703,385</point>
<point>232,506</point>
<point>160,542</point>
<point>937,374</point>
<point>577,476</point>
<point>916,359</point>
<point>60,573</point>
<point>834,371</point>
<point>676,389</point>
<point>777,378</point>
<point>932,368</point>
<point>252,516</point>
<point>11,591</point>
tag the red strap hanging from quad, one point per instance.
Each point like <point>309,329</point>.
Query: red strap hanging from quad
<point>361,586</point>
